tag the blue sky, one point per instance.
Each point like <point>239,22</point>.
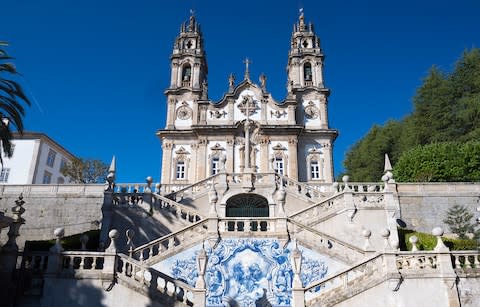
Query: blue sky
<point>97,69</point>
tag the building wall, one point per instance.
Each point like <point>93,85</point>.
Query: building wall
<point>22,164</point>
<point>54,170</point>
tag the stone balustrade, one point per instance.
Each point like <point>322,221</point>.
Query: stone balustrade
<point>247,225</point>
<point>171,243</point>
<point>311,191</point>
<point>344,281</point>
<point>372,187</point>
<point>131,187</point>
<point>466,260</point>
<point>52,189</point>
<point>82,261</point>
<point>133,272</point>
<point>324,242</point>
<point>319,211</point>
<point>175,191</point>
<point>37,262</point>
<point>180,211</point>
<point>416,261</point>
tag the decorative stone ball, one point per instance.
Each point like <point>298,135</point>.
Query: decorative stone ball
<point>437,231</point>
<point>366,233</point>
<point>59,232</point>
<point>345,178</point>
<point>113,234</point>
<point>385,233</point>
<point>385,178</point>
<point>413,239</point>
<point>149,179</point>
<point>394,244</point>
<point>110,176</point>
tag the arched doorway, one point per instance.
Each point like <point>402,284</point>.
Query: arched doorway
<point>247,205</point>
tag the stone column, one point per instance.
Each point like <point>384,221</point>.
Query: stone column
<point>323,113</point>
<point>292,158</point>
<point>264,154</point>
<point>171,113</point>
<point>230,155</point>
<point>174,76</point>
<point>319,74</point>
<point>195,75</point>
<point>230,110</point>
<point>167,147</point>
<point>327,150</point>
<point>201,159</point>
<point>291,115</point>
<point>263,110</point>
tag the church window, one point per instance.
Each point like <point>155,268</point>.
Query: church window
<point>51,158</point>
<point>278,165</point>
<point>186,73</point>
<point>315,169</point>
<point>307,71</point>
<point>4,175</point>
<point>180,170</point>
<point>47,178</point>
<point>215,165</point>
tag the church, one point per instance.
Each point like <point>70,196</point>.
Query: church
<point>247,212</point>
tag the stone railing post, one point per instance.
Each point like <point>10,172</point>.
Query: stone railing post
<point>281,222</point>
<point>200,290</point>
<point>147,193</point>
<point>390,260</point>
<point>109,263</point>
<point>444,263</point>
<point>55,254</point>
<point>212,224</point>
<point>298,293</point>
<point>350,208</point>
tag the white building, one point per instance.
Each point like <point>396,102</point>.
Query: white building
<point>37,159</point>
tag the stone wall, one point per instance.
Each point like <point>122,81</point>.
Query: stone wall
<point>77,208</point>
<point>424,206</point>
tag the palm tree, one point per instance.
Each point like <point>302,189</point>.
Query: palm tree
<point>12,99</point>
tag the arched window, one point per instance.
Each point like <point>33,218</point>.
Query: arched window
<point>278,165</point>
<point>186,74</point>
<point>247,205</point>
<point>307,71</point>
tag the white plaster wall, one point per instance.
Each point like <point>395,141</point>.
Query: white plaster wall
<point>42,165</point>
<point>21,164</point>
<point>183,123</point>
<point>238,115</point>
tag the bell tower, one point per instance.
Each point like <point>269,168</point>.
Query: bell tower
<point>188,79</point>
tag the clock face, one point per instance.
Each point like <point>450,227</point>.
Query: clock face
<point>184,112</point>
<point>311,111</point>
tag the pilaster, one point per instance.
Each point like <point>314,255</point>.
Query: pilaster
<point>327,149</point>
<point>171,113</point>
<point>201,159</point>
<point>292,158</point>
<point>167,146</point>
<point>230,155</point>
<point>264,155</point>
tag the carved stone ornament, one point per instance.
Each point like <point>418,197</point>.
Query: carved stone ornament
<point>181,153</point>
<point>217,148</point>
<point>184,111</point>
<point>311,110</point>
<point>278,148</point>
<point>248,103</point>
<point>218,114</point>
<point>278,113</point>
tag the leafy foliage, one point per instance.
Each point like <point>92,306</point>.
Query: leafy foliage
<point>428,242</point>
<point>446,109</point>
<point>459,219</point>
<point>447,161</point>
<point>12,99</point>
<point>85,171</point>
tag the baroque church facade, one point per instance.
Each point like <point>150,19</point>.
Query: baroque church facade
<point>247,212</point>
<point>247,130</point>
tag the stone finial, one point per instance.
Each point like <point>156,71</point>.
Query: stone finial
<point>263,81</point>
<point>387,170</point>
<point>212,198</point>
<point>367,234</point>
<point>158,187</point>
<point>413,240</point>
<point>130,233</point>
<point>202,260</point>
<point>345,180</point>
<point>231,82</point>
<point>113,166</point>
<point>149,181</point>
<point>18,210</point>
<point>385,233</point>
<point>440,247</point>
<point>113,235</point>
<point>296,261</point>
<point>58,233</point>
<point>83,241</point>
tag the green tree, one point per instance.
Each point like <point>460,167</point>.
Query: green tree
<point>12,99</point>
<point>85,171</point>
<point>448,161</point>
<point>459,219</point>
<point>446,109</point>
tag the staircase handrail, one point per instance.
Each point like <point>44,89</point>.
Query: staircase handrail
<point>323,201</point>
<point>194,184</point>
<point>174,203</point>
<point>328,237</point>
<point>341,273</point>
